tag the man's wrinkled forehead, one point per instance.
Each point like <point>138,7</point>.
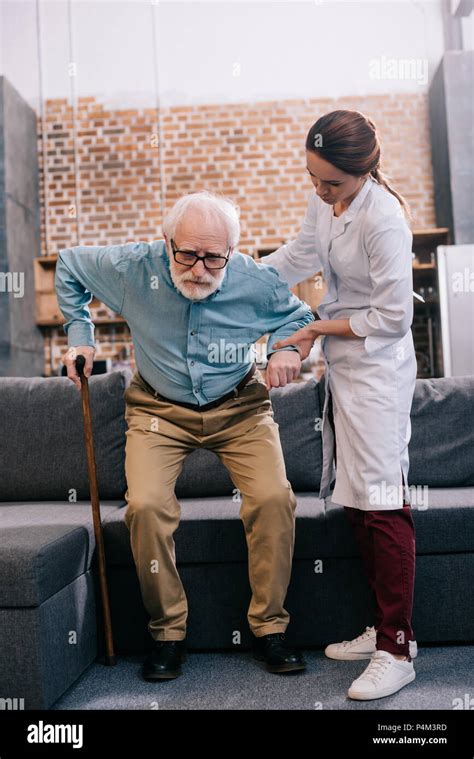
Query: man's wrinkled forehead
<point>198,230</point>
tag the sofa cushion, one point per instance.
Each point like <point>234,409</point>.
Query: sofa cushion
<point>43,547</point>
<point>211,531</point>
<point>442,443</point>
<point>298,413</point>
<point>42,448</point>
<point>296,409</point>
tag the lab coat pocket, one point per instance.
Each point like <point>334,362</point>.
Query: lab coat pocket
<point>373,374</point>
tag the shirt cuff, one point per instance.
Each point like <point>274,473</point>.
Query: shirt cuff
<point>286,348</point>
<point>80,334</point>
<point>357,322</point>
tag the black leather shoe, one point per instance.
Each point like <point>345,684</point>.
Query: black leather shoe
<point>277,654</point>
<point>164,660</point>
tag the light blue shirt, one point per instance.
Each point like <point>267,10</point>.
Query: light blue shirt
<point>187,350</point>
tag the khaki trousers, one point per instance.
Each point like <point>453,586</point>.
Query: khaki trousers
<point>244,435</point>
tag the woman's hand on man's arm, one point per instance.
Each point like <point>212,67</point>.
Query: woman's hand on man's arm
<point>305,337</point>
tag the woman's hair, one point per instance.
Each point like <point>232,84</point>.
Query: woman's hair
<point>349,141</point>
<point>211,206</point>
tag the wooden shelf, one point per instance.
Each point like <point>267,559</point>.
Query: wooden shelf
<point>47,260</point>
<point>48,313</point>
<point>432,234</point>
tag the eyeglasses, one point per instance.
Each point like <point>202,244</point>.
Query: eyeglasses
<point>189,258</point>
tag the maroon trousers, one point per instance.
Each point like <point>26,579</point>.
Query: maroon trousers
<point>386,540</point>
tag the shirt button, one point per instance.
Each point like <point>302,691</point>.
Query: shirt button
<point>196,389</point>
<point>193,332</point>
<point>192,363</point>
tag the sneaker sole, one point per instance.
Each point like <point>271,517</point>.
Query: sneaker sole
<point>360,696</point>
<point>359,657</point>
<point>348,657</point>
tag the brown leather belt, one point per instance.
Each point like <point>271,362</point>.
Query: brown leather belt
<point>206,406</point>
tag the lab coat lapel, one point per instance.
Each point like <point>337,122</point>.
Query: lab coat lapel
<point>325,242</point>
<point>351,212</point>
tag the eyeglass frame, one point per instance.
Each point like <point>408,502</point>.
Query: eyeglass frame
<point>175,250</point>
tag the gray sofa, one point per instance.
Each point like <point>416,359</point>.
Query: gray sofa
<point>50,620</point>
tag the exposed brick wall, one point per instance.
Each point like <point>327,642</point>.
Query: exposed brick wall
<point>102,180</point>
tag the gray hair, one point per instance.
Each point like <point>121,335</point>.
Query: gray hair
<point>210,205</point>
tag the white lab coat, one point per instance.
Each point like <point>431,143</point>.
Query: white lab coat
<point>366,258</point>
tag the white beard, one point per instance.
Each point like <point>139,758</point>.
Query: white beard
<point>193,290</point>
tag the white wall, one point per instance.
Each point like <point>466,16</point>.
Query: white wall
<point>217,51</point>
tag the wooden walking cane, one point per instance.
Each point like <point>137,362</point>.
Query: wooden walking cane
<point>99,538</point>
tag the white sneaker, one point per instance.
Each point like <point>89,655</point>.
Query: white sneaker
<point>383,676</point>
<point>362,647</point>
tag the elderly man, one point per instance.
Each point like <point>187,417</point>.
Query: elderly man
<point>195,308</point>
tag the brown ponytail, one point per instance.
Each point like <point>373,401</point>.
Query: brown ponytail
<point>348,140</point>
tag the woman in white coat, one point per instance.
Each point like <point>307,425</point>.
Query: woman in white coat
<point>356,232</point>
